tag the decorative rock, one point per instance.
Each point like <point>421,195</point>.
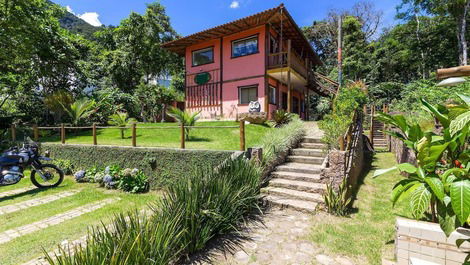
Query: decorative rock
<point>255,117</point>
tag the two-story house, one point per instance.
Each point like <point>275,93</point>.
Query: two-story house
<point>264,57</point>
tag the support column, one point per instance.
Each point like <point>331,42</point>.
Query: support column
<point>289,83</point>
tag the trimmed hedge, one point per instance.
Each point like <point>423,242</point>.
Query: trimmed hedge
<point>163,166</point>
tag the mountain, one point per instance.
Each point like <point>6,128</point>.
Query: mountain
<point>78,26</point>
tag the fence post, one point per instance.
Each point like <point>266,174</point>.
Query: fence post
<point>183,135</point>
<point>341,143</point>
<point>371,133</point>
<point>62,133</point>
<point>134,135</point>
<point>13,133</point>
<point>35,132</point>
<point>242,135</point>
<point>95,141</point>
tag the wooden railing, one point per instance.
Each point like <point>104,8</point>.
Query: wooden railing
<point>134,127</point>
<point>345,142</point>
<point>281,60</point>
<point>200,96</point>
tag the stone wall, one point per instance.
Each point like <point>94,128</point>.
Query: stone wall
<point>402,153</point>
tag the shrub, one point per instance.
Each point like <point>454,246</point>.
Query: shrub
<point>337,202</point>
<point>280,140</point>
<point>113,177</point>
<point>121,119</point>
<point>195,210</point>
<point>280,118</point>
<point>185,118</point>
<point>66,166</point>
<point>335,125</point>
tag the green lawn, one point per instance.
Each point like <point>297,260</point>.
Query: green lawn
<point>201,138</point>
<point>25,248</point>
<point>368,234</point>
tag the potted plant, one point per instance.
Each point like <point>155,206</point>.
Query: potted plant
<point>437,186</point>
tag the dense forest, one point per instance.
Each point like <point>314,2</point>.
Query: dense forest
<point>54,67</point>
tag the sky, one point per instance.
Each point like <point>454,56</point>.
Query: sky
<point>190,16</point>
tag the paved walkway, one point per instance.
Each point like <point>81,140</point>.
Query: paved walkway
<point>14,192</point>
<point>281,239</point>
<point>312,129</point>
<point>35,202</point>
<point>54,220</point>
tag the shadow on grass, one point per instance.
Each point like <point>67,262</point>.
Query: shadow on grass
<point>229,243</point>
<point>198,139</point>
<point>25,193</point>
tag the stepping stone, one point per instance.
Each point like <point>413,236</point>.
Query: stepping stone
<point>35,202</point>
<point>54,220</point>
<point>294,194</point>
<point>297,185</point>
<point>300,168</point>
<point>306,160</point>
<point>304,206</point>
<point>307,152</point>
<point>296,176</point>
<point>14,192</point>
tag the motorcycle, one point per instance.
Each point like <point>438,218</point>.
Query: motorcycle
<point>14,161</point>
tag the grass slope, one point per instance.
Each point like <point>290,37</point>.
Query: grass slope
<point>368,234</point>
<point>201,138</point>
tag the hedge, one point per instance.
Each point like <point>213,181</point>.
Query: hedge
<point>163,166</point>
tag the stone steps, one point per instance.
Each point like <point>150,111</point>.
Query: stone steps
<point>299,168</point>
<point>312,145</point>
<point>294,194</point>
<point>297,185</point>
<point>307,152</point>
<point>306,160</point>
<point>296,176</point>
<point>304,206</point>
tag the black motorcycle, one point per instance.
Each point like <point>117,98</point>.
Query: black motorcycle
<point>14,160</point>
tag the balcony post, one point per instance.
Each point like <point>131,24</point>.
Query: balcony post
<point>289,85</point>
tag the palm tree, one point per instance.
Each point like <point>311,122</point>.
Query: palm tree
<point>120,119</point>
<point>184,117</point>
<point>79,110</point>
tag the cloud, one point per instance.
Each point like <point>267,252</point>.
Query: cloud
<point>235,4</point>
<point>91,18</point>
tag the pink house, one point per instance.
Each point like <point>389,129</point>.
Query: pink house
<point>263,57</point>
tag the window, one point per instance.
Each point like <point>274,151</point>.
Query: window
<point>273,46</point>
<point>248,94</point>
<point>284,101</point>
<point>245,46</point>
<point>204,56</point>
<point>295,105</point>
<point>272,95</point>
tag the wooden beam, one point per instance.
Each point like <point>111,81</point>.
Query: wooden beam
<point>458,71</point>
<point>266,79</point>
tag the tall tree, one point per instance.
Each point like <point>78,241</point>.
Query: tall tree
<point>456,9</point>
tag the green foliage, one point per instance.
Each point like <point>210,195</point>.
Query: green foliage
<point>280,140</point>
<point>184,117</point>
<point>163,166</point>
<point>280,118</point>
<point>133,182</point>
<point>385,93</point>
<point>121,119</point>
<point>79,110</point>
<point>440,180</point>
<point>207,203</point>
<point>337,202</point>
<point>347,101</point>
<point>66,166</point>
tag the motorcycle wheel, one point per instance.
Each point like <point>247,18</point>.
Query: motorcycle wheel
<point>52,176</point>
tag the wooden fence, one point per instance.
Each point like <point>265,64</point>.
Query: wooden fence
<point>134,129</point>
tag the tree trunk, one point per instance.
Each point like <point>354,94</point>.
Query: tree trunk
<point>418,29</point>
<point>462,27</point>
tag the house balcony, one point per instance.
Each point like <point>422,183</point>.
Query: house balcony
<point>279,64</point>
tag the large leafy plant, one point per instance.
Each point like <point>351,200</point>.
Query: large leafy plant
<point>121,119</point>
<point>184,117</point>
<point>439,183</point>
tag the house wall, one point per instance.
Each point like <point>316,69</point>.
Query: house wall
<point>237,72</point>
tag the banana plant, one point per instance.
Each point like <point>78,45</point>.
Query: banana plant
<point>440,181</point>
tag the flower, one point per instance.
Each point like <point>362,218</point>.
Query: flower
<point>79,176</point>
<point>107,169</point>
<point>134,172</point>
<point>127,172</point>
<point>107,179</point>
<point>99,177</point>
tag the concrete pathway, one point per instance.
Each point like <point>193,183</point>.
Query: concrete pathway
<point>11,234</point>
<point>35,202</point>
<point>282,239</point>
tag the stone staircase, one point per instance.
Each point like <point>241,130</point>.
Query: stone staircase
<point>296,183</point>
<point>380,140</point>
